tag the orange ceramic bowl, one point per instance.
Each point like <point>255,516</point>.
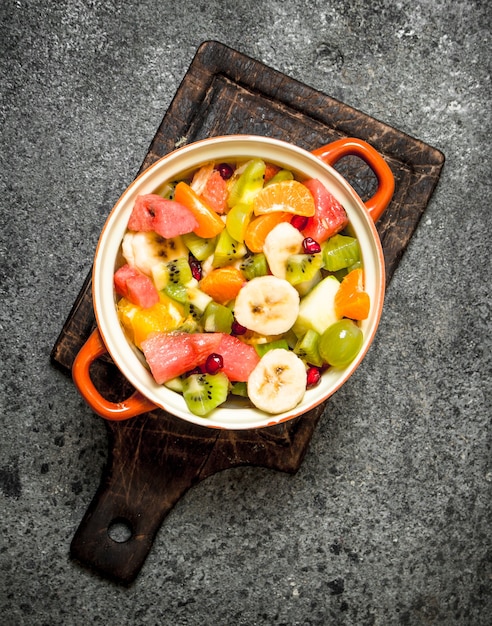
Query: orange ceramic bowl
<point>110,337</point>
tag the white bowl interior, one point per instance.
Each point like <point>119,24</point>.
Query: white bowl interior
<point>233,414</point>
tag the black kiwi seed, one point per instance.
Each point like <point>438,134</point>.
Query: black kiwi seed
<point>194,312</point>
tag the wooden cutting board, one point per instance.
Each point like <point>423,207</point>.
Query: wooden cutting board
<point>155,458</point>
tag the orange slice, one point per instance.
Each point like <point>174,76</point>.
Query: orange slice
<point>223,283</point>
<point>140,323</point>
<point>259,227</point>
<point>289,196</point>
<point>351,300</point>
<point>209,223</point>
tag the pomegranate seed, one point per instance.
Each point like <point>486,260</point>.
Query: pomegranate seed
<point>225,170</point>
<point>299,221</point>
<point>214,363</point>
<point>313,377</point>
<point>311,246</point>
<point>195,266</point>
<point>237,328</point>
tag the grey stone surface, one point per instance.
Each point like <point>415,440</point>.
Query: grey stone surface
<point>388,519</point>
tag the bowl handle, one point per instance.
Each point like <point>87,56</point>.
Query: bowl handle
<point>333,152</point>
<point>116,411</point>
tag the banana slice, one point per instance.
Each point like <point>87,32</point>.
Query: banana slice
<point>278,382</point>
<point>144,250</point>
<point>267,305</point>
<point>280,243</point>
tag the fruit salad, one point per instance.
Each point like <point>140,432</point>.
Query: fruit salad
<point>241,280</point>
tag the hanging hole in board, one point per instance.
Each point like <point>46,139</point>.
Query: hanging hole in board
<point>120,530</point>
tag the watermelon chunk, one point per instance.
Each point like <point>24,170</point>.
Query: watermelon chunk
<point>330,216</point>
<point>171,354</point>
<point>240,359</point>
<point>130,283</point>
<point>167,218</point>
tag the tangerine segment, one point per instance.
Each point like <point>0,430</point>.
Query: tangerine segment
<point>290,196</point>
<point>223,283</point>
<point>351,300</point>
<point>164,316</point>
<point>260,226</point>
<point>209,223</point>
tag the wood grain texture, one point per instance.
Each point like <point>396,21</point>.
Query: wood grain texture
<point>155,458</point>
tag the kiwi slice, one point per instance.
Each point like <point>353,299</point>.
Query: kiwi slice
<point>195,302</point>
<point>302,267</point>
<point>339,252</point>
<point>190,325</point>
<point>340,274</point>
<point>175,384</point>
<point>166,190</point>
<point>176,292</point>
<point>179,271</point>
<point>280,176</point>
<point>254,265</point>
<point>173,272</point>
<point>205,392</point>
<point>263,348</point>
<point>199,247</point>
<point>227,250</point>
<point>239,389</point>
<point>306,286</point>
<point>248,184</point>
<point>193,312</point>
<point>217,318</point>
<point>307,348</point>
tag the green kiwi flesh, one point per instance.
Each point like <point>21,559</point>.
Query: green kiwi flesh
<point>205,392</point>
<point>302,267</point>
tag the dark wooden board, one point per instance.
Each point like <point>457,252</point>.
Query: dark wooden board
<point>155,458</point>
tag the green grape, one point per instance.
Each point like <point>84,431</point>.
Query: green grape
<point>340,343</point>
<point>237,220</point>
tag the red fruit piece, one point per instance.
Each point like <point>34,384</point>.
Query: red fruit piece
<point>239,358</point>
<point>299,221</point>
<point>215,192</point>
<point>237,328</point>
<point>167,218</point>
<point>313,377</point>
<point>310,246</point>
<point>172,354</point>
<point>225,170</point>
<point>330,217</point>
<point>195,266</point>
<point>135,286</point>
<point>214,363</point>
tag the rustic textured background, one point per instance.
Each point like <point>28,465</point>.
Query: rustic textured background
<point>388,519</point>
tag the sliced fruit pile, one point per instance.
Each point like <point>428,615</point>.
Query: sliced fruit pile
<point>241,280</point>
